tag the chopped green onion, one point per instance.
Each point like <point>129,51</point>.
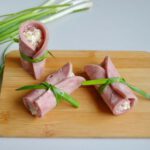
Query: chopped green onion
<point>57,92</point>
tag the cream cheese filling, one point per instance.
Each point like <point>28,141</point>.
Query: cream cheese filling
<point>33,36</point>
<point>32,109</point>
<point>124,106</point>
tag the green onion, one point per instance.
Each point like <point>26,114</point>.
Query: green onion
<point>95,82</point>
<point>4,32</point>
<point>104,82</point>
<point>141,92</point>
<point>9,37</point>
<point>33,9</point>
<point>34,60</point>
<point>67,11</point>
<point>3,57</point>
<point>29,15</point>
<point>3,62</point>
<point>57,92</point>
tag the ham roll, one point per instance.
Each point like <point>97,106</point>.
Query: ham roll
<point>118,97</point>
<point>41,101</point>
<point>33,41</point>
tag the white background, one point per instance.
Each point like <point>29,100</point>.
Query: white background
<point>110,25</point>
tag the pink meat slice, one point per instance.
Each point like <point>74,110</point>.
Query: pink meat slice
<point>39,102</point>
<point>120,88</point>
<point>112,97</point>
<point>65,72</point>
<point>47,101</point>
<point>35,69</point>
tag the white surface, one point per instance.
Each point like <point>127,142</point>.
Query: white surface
<point>110,25</point>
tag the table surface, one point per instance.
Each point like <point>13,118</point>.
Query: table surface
<point>110,25</point>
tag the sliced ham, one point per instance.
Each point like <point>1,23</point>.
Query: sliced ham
<point>117,96</point>
<point>47,101</point>
<point>33,41</point>
<point>63,73</point>
<point>39,102</point>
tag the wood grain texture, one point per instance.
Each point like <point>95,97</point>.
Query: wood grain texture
<point>93,118</point>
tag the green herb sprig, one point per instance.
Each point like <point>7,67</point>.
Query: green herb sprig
<point>57,92</point>
<point>104,82</point>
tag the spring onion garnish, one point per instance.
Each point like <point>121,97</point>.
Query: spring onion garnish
<point>35,60</point>
<point>57,92</point>
<point>104,82</point>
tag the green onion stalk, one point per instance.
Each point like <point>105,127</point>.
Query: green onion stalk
<point>104,82</point>
<point>47,12</point>
<point>57,92</point>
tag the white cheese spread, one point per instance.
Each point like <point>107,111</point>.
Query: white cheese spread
<point>32,109</point>
<point>33,36</point>
<point>124,106</point>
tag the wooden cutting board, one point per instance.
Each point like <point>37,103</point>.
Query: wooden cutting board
<point>93,118</point>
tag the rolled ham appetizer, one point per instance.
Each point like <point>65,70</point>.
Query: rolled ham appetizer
<point>118,96</point>
<point>41,101</point>
<point>33,41</point>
